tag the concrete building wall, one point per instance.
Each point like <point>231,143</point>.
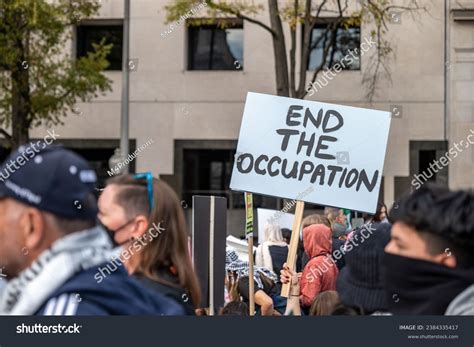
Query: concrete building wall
<point>461,106</point>
<point>169,103</point>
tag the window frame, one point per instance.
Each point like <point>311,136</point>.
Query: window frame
<point>228,23</point>
<point>323,23</point>
<point>98,23</point>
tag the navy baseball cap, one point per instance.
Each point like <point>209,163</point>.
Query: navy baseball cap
<point>51,179</point>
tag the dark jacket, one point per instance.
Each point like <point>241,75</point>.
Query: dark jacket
<point>338,245</point>
<point>117,294</point>
<point>173,292</point>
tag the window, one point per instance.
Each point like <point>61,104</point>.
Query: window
<point>427,157</point>
<point>211,47</point>
<point>88,34</point>
<point>347,41</point>
<point>208,172</point>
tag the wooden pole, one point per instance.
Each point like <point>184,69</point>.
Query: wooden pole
<point>251,284</point>
<point>211,256</point>
<point>249,236</point>
<point>293,249</point>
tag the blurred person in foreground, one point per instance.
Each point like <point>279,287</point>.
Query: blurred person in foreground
<point>145,217</point>
<point>361,281</point>
<point>430,258</point>
<point>52,247</point>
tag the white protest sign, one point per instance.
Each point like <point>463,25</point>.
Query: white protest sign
<point>289,145</point>
<point>266,216</point>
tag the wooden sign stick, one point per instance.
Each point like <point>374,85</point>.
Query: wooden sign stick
<point>293,249</point>
<point>251,283</point>
<point>249,235</point>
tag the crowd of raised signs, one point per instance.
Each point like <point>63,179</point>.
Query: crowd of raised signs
<point>63,251</point>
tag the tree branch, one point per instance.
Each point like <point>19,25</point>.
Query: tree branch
<point>5,134</point>
<point>238,14</point>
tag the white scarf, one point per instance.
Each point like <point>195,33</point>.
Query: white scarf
<point>78,251</point>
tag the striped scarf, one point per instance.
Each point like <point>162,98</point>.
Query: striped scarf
<point>25,294</point>
<point>241,268</point>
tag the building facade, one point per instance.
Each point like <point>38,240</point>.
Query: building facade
<point>188,87</point>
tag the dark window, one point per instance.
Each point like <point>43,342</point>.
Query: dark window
<point>425,159</point>
<point>87,35</point>
<point>211,47</point>
<point>208,172</point>
<point>347,40</point>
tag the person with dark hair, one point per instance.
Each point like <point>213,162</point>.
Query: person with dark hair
<point>235,308</point>
<point>51,246</point>
<point>238,283</point>
<point>360,282</point>
<point>343,310</point>
<point>324,304</point>
<point>286,234</point>
<point>429,261</point>
<point>339,237</point>
<point>144,215</point>
<point>381,213</point>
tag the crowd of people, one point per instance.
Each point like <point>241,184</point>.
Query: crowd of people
<point>65,252</point>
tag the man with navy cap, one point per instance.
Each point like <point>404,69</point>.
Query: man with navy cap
<point>51,246</point>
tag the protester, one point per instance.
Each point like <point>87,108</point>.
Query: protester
<point>238,283</point>
<point>381,213</point>
<point>315,219</point>
<point>336,216</point>
<point>430,258</point>
<point>272,253</point>
<point>235,308</point>
<point>339,237</point>
<point>302,257</point>
<point>320,272</point>
<point>324,304</point>
<point>51,246</point>
<point>360,282</point>
<point>139,208</point>
<point>286,233</point>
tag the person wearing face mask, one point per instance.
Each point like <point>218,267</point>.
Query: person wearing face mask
<point>51,245</point>
<point>144,216</point>
<point>429,261</point>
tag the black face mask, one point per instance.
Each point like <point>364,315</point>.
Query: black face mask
<point>418,287</point>
<point>111,232</point>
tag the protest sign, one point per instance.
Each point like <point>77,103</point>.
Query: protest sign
<point>208,248</point>
<point>268,216</point>
<point>288,145</point>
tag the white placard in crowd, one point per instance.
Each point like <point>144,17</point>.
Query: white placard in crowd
<point>286,146</point>
<point>264,216</point>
